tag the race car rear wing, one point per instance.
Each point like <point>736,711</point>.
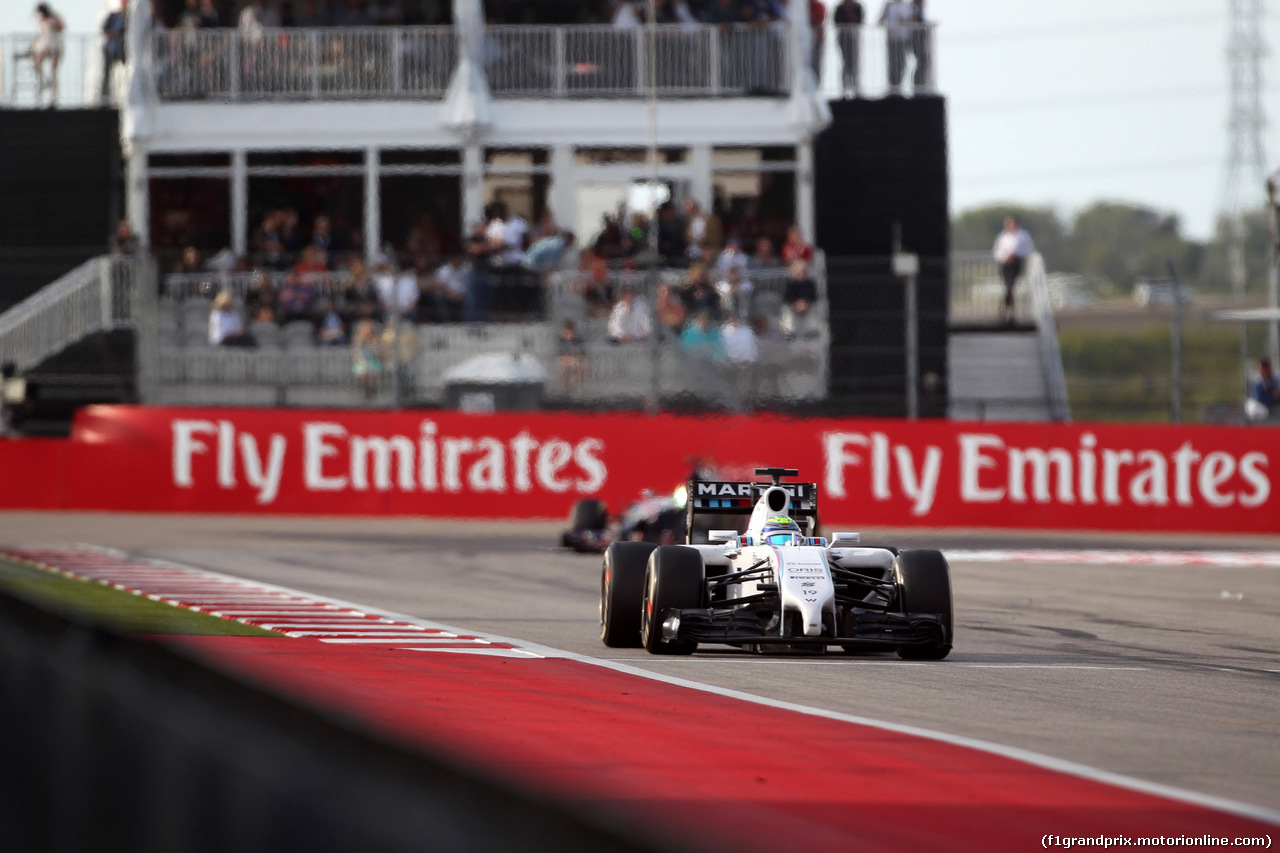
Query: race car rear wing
<point>728,497</point>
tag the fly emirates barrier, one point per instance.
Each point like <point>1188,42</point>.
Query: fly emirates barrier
<point>518,465</point>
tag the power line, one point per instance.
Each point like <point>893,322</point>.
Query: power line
<point>1077,29</point>
<point>1093,171</point>
<point>1097,99</point>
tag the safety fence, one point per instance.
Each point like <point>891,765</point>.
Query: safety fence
<point>31,77</point>
<point>97,296</point>
<point>977,290</point>
<point>742,346</point>
<point>304,64</point>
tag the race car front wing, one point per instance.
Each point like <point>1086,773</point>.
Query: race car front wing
<point>869,630</point>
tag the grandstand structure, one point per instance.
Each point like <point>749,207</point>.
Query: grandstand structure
<point>403,138</point>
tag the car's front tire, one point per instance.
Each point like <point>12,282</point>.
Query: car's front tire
<point>621,593</point>
<point>924,586</point>
<point>674,578</point>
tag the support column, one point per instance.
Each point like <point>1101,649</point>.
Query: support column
<point>804,189</point>
<point>472,185</point>
<point>564,188</point>
<point>239,203</point>
<point>138,193</point>
<point>702,183</point>
<point>372,205</point>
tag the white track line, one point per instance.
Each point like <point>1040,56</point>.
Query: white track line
<point>1114,557</point>
<point>522,649</point>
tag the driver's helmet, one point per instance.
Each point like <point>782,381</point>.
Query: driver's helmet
<point>780,530</point>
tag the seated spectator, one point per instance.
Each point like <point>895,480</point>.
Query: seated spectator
<point>322,237</point>
<point>629,322</point>
<point>226,328</point>
<point>330,331</point>
<point>449,291</point>
<point>261,294</point>
<point>671,231</point>
<point>695,229</point>
<point>312,260</point>
<point>267,241</point>
<point>765,257</point>
<point>296,299</point>
<point>189,262</point>
<point>795,248</point>
<point>798,299</point>
<point>367,356</point>
<point>636,238</point>
<point>1265,388</point>
<point>593,284</point>
<point>124,241</point>
<point>739,341</point>
<point>670,311</point>
<point>701,338</point>
<point>572,356</point>
<point>731,257</point>
<point>360,296</point>
<point>735,294</point>
<point>608,243</point>
<point>699,295</point>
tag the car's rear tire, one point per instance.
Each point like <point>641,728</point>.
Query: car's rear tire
<point>924,586</point>
<point>589,514</point>
<point>621,593</point>
<point>674,577</point>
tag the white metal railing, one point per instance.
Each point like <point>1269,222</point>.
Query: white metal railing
<point>867,60</point>
<point>97,296</point>
<point>304,64</point>
<point>1050,353</point>
<point>604,61</point>
<point>76,83</point>
<point>977,290</point>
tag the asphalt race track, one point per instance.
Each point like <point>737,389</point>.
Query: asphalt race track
<point>1164,673</point>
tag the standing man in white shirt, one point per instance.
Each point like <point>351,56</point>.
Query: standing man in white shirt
<point>629,322</point>
<point>896,19</point>
<point>1013,247</point>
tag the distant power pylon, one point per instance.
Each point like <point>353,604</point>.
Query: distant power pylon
<point>1246,171</point>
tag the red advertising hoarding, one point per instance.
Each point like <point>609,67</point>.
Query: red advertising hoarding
<point>535,465</point>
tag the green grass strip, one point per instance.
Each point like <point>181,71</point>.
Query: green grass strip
<point>111,608</point>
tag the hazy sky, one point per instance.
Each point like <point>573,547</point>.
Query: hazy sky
<point>1056,103</point>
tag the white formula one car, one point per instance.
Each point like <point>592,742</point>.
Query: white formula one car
<point>775,587</point>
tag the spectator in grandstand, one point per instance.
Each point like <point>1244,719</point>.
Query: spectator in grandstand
<point>765,257</point>
<point>896,19</point>
<point>732,257</point>
<point>296,299</point>
<point>330,330</point>
<point>47,48</point>
<point>608,243</point>
<point>571,356</point>
<point>545,255</point>
<point>919,45</point>
<point>635,239</point>
<point>190,19</point>
<point>735,293</point>
<point>1265,387</point>
<point>848,18</point>
<point>210,17</point>
<point>695,229</point>
<point>626,15</point>
<point>400,347</point>
<point>798,299</point>
<point>322,236</point>
<point>699,295</point>
<point>254,18</point>
<point>267,240</point>
<point>261,294</point>
<point>367,357</point>
<point>739,342</point>
<point>671,231</point>
<point>360,295</point>
<point>479,274</point>
<point>701,337</point>
<point>401,298</point>
<point>124,241</point>
<point>113,41</point>
<point>1013,247</point>
<point>188,262</point>
<point>670,312</point>
<point>795,248</point>
<point>449,291</point>
<point>226,328</point>
<point>593,284</point>
<point>312,261</point>
<point>630,321</point>
<point>817,28</point>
